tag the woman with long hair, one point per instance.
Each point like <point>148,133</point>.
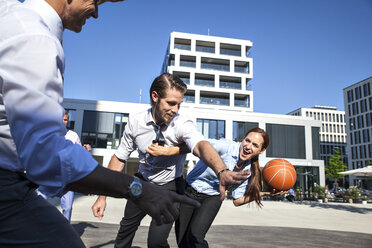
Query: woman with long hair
<point>202,184</point>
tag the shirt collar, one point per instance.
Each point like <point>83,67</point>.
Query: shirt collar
<point>49,16</point>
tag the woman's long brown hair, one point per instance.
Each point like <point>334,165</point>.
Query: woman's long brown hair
<point>254,187</point>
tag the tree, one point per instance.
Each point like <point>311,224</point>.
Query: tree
<point>336,164</point>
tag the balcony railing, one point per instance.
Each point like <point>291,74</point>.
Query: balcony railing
<point>188,64</point>
<point>242,69</point>
<point>230,52</point>
<point>205,49</point>
<point>230,85</point>
<point>216,67</point>
<point>242,103</point>
<point>204,82</point>
<point>214,100</point>
<point>182,47</point>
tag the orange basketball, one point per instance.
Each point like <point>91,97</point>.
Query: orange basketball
<point>279,174</point>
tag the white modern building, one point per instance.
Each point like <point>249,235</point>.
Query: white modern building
<point>358,107</point>
<point>332,133</point>
<point>217,71</point>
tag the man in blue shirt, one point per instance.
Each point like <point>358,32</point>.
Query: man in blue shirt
<point>33,149</point>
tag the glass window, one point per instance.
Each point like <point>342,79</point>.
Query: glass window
<point>230,82</point>
<point>204,46</point>
<point>103,129</point>
<point>242,101</point>
<point>211,129</point>
<point>287,141</point>
<point>215,64</point>
<point>242,66</point>
<point>188,61</point>
<point>214,98</point>
<point>241,128</point>
<point>229,49</point>
<point>204,80</point>
<point>183,44</point>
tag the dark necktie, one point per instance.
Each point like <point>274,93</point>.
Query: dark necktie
<point>159,136</point>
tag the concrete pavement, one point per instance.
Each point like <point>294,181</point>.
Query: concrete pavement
<point>277,224</point>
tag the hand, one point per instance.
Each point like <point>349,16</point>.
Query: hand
<point>99,207</point>
<point>88,147</point>
<point>156,150</point>
<point>158,203</point>
<point>231,177</point>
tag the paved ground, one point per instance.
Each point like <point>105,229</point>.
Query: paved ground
<point>277,224</point>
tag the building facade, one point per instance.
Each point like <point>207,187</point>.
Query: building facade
<point>296,139</point>
<point>217,70</point>
<point>358,110</point>
<point>332,133</point>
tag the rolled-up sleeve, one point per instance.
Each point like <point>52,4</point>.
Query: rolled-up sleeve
<point>31,71</point>
<point>188,133</point>
<point>127,144</point>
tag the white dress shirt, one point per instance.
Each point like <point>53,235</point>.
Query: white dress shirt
<point>139,134</point>
<point>31,92</point>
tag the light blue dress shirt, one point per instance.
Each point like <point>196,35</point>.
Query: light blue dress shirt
<point>203,179</point>
<point>31,93</point>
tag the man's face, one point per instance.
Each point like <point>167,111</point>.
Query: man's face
<point>65,120</point>
<point>76,13</point>
<point>166,108</point>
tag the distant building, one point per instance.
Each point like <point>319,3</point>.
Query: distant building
<point>358,110</point>
<point>217,71</point>
<point>332,133</point>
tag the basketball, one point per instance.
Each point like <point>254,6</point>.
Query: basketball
<point>279,174</point>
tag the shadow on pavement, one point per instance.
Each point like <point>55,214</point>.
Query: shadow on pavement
<point>349,208</point>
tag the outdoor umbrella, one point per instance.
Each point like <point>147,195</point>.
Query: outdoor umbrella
<point>361,172</point>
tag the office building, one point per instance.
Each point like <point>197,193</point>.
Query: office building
<point>358,111</point>
<point>332,133</point>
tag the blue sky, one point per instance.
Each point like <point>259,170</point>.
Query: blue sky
<point>304,51</point>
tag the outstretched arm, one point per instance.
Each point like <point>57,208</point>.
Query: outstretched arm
<point>246,199</point>
<point>205,151</point>
<point>154,200</point>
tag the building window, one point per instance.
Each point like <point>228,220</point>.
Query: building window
<point>205,46</point>
<point>183,44</point>
<point>241,67</point>
<point>366,89</point>
<point>204,80</point>
<point>71,119</point>
<point>315,142</point>
<point>230,82</point>
<point>214,98</point>
<point>184,76</point>
<point>211,129</point>
<point>188,61</point>
<point>241,101</point>
<point>287,141</point>
<point>241,128</point>
<point>229,49</point>
<point>103,129</point>
<point>368,119</point>
<point>189,96</point>
<point>215,64</point>
<point>357,93</point>
<point>350,96</point>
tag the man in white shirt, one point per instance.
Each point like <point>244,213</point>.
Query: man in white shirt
<point>142,129</point>
<point>33,149</point>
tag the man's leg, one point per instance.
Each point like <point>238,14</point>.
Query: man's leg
<point>28,220</point>
<point>129,225</point>
<point>66,204</point>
